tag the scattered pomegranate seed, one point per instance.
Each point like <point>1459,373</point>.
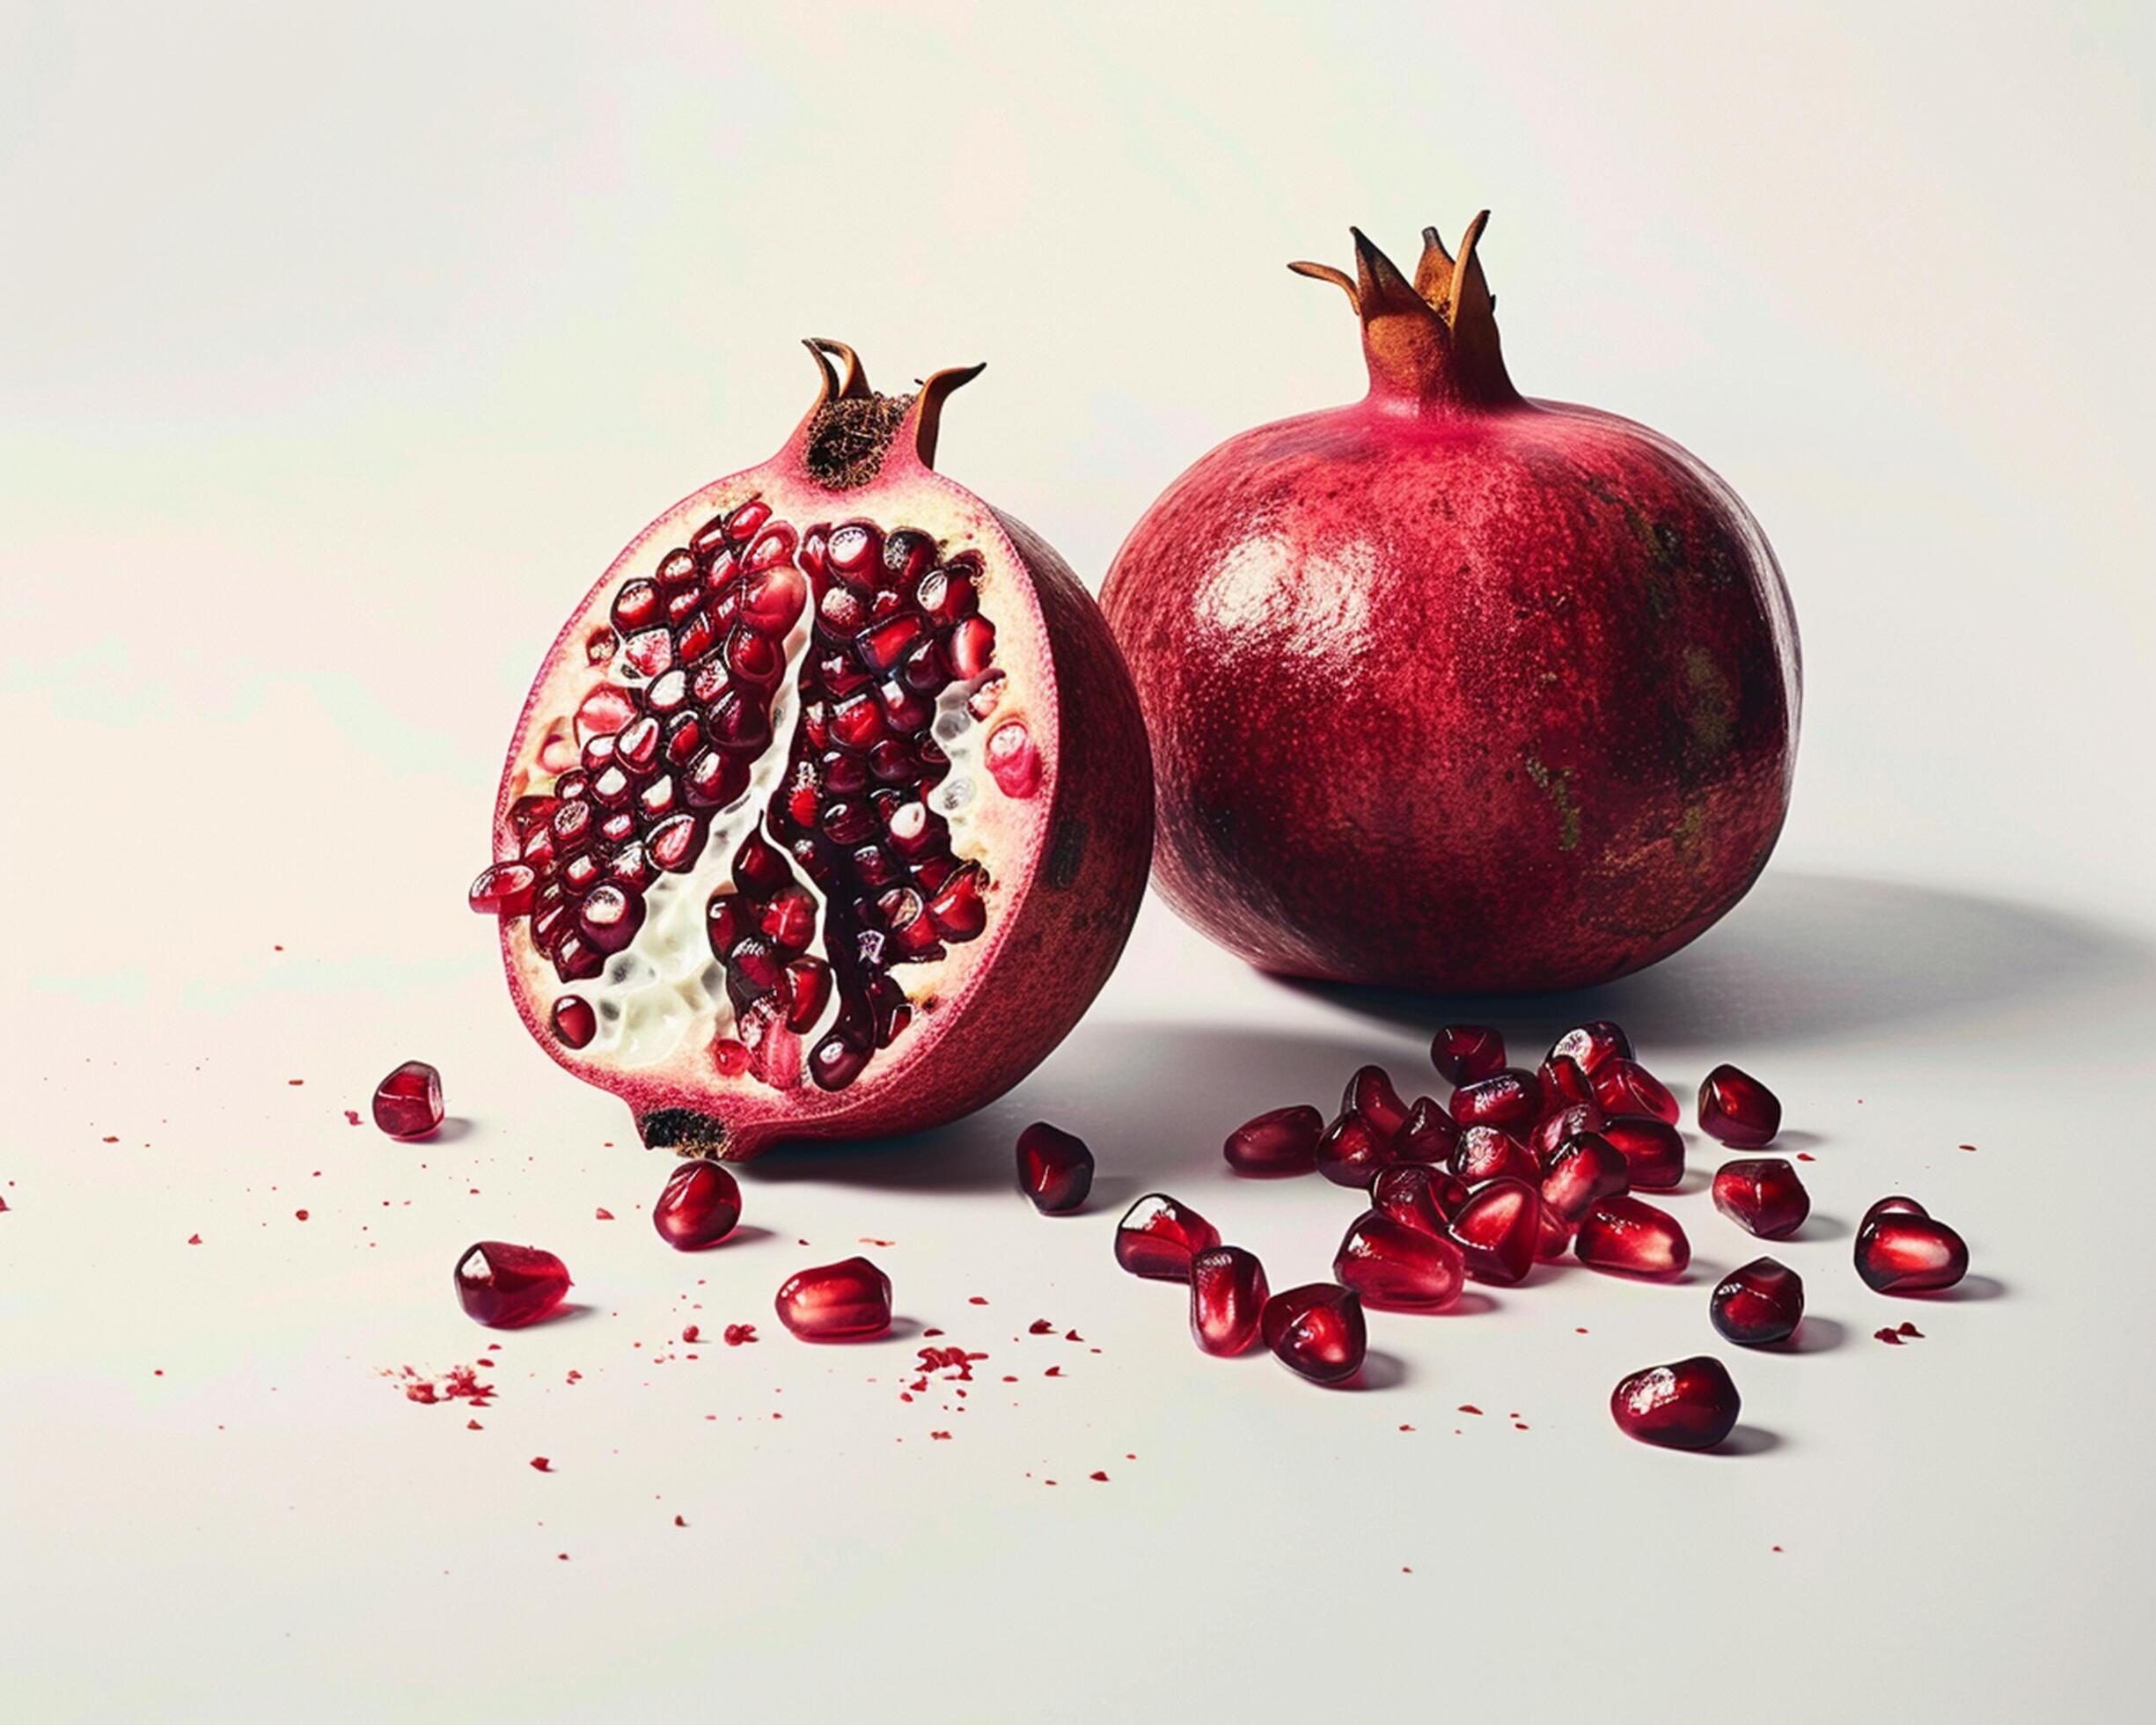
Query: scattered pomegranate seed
<point>1318,1331</point>
<point>1418,1195</point>
<point>1688,1404</point>
<point>1763,1195</point>
<point>1496,1230</point>
<point>1632,1238</point>
<point>1739,1110</point>
<point>506,1287</point>
<point>1391,1263</point>
<point>1281,1141</point>
<point>1587,1167</point>
<point>1509,1098</point>
<point>1564,1083</point>
<point>1466,1053</point>
<point>1227,1299</point>
<point>1898,1252</point>
<point>504,890</point>
<point>1350,1151</point>
<point>407,1104</point>
<point>1370,1094</point>
<point>1428,1134</point>
<point>1158,1237</point>
<point>1487,1153</point>
<point>698,1206</point>
<point>1551,1130</point>
<point>1762,1302</point>
<point>1593,1045</point>
<point>1652,1149</point>
<point>1626,1087</point>
<point>842,1302</point>
<point>1055,1170</point>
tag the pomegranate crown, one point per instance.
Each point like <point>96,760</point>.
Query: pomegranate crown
<point>851,429</point>
<point>1434,340</point>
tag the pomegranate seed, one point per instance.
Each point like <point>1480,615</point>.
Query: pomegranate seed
<point>1688,1404</point>
<point>1628,1237</point>
<point>504,890</point>
<point>1763,1195</point>
<point>574,1022</point>
<point>746,520</point>
<point>1626,1087</point>
<point>1551,1130</point>
<point>407,1104</point>
<point>1013,761</point>
<point>955,909</point>
<point>1564,1083</point>
<point>1227,1299</point>
<point>1349,1152</point>
<point>946,595</point>
<point>1467,1054</point>
<point>1653,1149</point>
<point>1760,1302</point>
<point>842,1302</point>
<point>1158,1237</point>
<point>971,647</point>
<point>506,1287</point>
<point>609,916</point>
<point>1418,1195</point>
<point>1317,1330</point>
<point>1586,1167</point>
<point>1389,1262</point>
<point>1428,1134</point>
<point>853,551</point>
<point>774,601</point>
<point>676,842</point>
<point>1055,1170</point>
<point>1896,1204</point>
<point>1281,1141</point>
<point>1593,1045</point>
<point>1370,1094</point>
<point>1899,1252</point>
<point>808,983</point>
<point>1736,1108</point>
<point>1509,1098</point>
<point>636,605</point>
<point>1496,1230</point>
<point>1485,1153</point>
<point>698,1206</point>
<point>835,1062</point>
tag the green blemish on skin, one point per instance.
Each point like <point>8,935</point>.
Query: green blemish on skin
<point>1557,788</point>
<point>1713,704</point>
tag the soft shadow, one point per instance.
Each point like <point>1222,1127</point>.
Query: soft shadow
<point>1748,1441</point>
<point>1470,1304</point>
<point>1701,1272</point>
<point>1970,1288</point>
<point>1792,1142</point>
<point>1818,1227</point>
<point>1814,1335</point>
<point>1694,1181</point>
<point>900,1329</point>
<point>743,1234</point>
<point>1380,1371</point>
<point>453,1130</point>
<point>571,1311</point>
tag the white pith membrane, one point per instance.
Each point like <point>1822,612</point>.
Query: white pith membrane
<point>662,1004</point>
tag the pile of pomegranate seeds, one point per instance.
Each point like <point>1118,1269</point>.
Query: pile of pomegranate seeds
<point>1055,1170</point>
<point>407,1104</point>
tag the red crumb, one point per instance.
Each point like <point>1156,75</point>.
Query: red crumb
<point>109,1139</point>
<point>738,1333</point>
<point>1469,1407</point>
<point>351,1116</point>
<point>302,1214</point>
<point>1040,1326</point>
<point>1806,1156</point>
<point>1965,1147</point>
<point>1097,1474</point>
<point>1778,1548</point>
<point>932,1331</point>
<point>691,1332</point>
<point>193,1239</point>
<point>1072,1335</point>
<point>541,1464</point>
<point>1892,1337</point>
<point>870,1240</point>
<point>956,1361</point>
<point>679,1522</point>
<point>473,1426</point>
<point>295,1083</point>
<point>1053,1371</point>
<point>1407,1428</point>
<point>940,1434</point>
<point>602,1216</point>
<point>458,1383</point>
<point>1908,1329</point>
<point>976,1300</point>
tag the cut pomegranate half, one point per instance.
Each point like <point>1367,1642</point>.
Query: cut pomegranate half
<point>1392,1263</point>
<point>1688,1404</point>
<point>1763,1195</point>
<point>1759,1304</point>
<point>1281,1141</point>
<point>834,796</point>
<point>1318,1331</point>
<point>1158,1237</point>
<point>1227,1299</point>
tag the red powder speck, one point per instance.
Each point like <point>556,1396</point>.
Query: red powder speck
<point>564,1556</point>
<point>1579,1329</point>
<point>1892,1337</point>
<point>870,1240</point>
<point>1778,1548</point>
<point>737,1334</point>
<point>458,1383</point>
<point>691,1332</point>
<point>1053,1371</point>
<point>112,1139</point>
<point>541,1464</point>
<point>1072,1335</point>
<point>1407,1428</point>
<point>955,1361</point>
<point>1518,1426</point>
<point>1965,1147</point>
<point>193,1239</point>
<point>602,1216</point>
<point>944,1437</point>
<point>1806,1156</point>
<point>296,1082</point>
<point>679,1522</point>
<point>932,1331</point>
<point>1908,1329</point>
<point>301,1214</point>
<point>473,1426</point>
<point>1040,1326</point>
<point>351,1116</point>
<point>1097,1474</point>
<point>1469,1407</point>
<point>976,1300</point>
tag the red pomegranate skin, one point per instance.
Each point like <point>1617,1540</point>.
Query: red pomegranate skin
<point>1453,689</point>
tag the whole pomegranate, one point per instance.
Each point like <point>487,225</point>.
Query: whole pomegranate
<point>829,810</point>
<point>1452,689</point>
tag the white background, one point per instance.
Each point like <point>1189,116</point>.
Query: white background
<point>340,347</point>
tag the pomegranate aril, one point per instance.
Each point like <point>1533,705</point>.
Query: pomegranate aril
<point>1564,1083</point>
<point>1496,1229</point>
<point>650,651</point>
<point>631,867</point>
<point>1760,1302</point>
<point>1467,1054</point>
<point>506,1287</point>
<point>842,612</point>
<point>1587,1167</point>
<point>575,959</point>
<point>1227,1299</point>
<point>1551,1130</point>
<point>1349,1152</point>
<point>573,1021</point>
<point>1012,761</point>
<point>1628,1237</point>
<point>1894,1204</point>
<point>698,1206</point>
<point>714,779</point>
<point>760,868</point>
<point>1370,1094</point>
<point>1318,1331</point>
<point>788,918</point>
<point>527,814</point>
<point>1626,1087</point>
<point>677,567</point>
<point>946,595</point>
<point>1898,1252</point>
<point>1391,1263</point>
<point>504,890</point>
<point>636,605</point>
<point>637,747</point>
<point>906,711</point>
<point>1687,1405</point>
<point>835,1062</point>
<point>680,607</point>
<point>676,842</point>
<point>808,986</point>
<point>1553,1240</point>
<point>1489,1153</point>
<point>1653,1149</point>
<point>771,603</point>
<point>1737,1109</point>
<point>609,916</point>
<point>1763,1195</point>
<point>907,556</point>
<point>857,722</point>
<point>746,519</point>
<point>1509,1098</point>
<point>842,1302</point>
<point>739,723</point>
<point>882,647</point>
<point>1055,1169</point>
<point>957,909</point>
<point>853,551</point>
<point>1427,1134</point>
<point>1418,1195</point>
<point>408,1103</point>
<point>573,826</point>
<point>605,710</point>
<point>618,829</point>
<point>1158,1237</point>
<point>1593,1045</point>
<point>599,645</point>
<point>1281,1141</point>
<point>915,830</point>
<point>970,649</point>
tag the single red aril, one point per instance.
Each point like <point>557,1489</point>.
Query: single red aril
<point>1510,1098</point>
<point>1593,1044</point>
<point>1466,1053</point>
<point>1158,1237</point>
<point>1349,1152</point>
<point>1763,1195</point>
<point>854,745</point>
<point>506,1287</point>
<point>1551,1130</point>
<point>1632,1238</point>
<point>1564,1083</point>
<point>1901,1253</point>
<point>1450,689</point>
<point>1893,1204</point>
<point>1653,1149</point>
<point>1318,1331</point>
<point>1391,1263</point>
<point>1739,1110</point>
<point>1055,1169</point>
<point>842,1302</point>
<point>1688,1404</point>
<point>698,1206</point>
<point>1553,1239</point>
<point>1283,1141</point>
<point>1370,1094</point>
<point>1487,1153</point>
<point>1587,1167</point>
<point>1418,1195</point>
<point>407,1104</point>
<point>1626,1087</point>
<point>1497,1231</point>
<point>1428,1134</point>
<point>1227,1299</point>
<point>1760,1302</point>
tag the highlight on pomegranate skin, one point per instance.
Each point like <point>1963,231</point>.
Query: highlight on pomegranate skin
<point>830,809</point>
<point>506,1287</point>
<point>1055,1169</point>
<point>1563,1083</point>
<point>1893,1204</point>
<point>1627,1238</point>
<point>1370,1093</point>
<point>1738,1109</point>
<point>1158,1237</point>
<point>1317,1331</point>
<point>698,1206</point>
<point>848,1301</point>
<point>1282,1141</point>
<point>1467,1054</point>
<point>1395,1264</point>
<point>408,1103</point>
<point>1687,1405</point>
<point>1552,1129</point>
<point>1900,1253</point>
<point>1758,1303</point>
<point>1228,1300</point>
<point>1763,1195</point>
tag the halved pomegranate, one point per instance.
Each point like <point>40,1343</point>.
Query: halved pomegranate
<point>829,810</point>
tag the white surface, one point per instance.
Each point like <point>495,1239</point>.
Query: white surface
<point>340,350</point>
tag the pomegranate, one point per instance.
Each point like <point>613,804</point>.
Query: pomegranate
<point>1227,1299</point>
<point>407,1104</point>
<point>1739,1110</point>
<point>698,1206</point>
<point>830,809</point>
<point>1760,1302</point>
<point>847,1301</point>
<point>506,1287</point>
<point>1283,1141</point>
<point>1055,1169</point>
<point>1158,1237</point>
<point>1398,1264</point>
<point>1587,1168</point>
<point>1317,1330</point>
<point>1763,1195</point>
<point>1689,1405</point>
<point>1450,689</point>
